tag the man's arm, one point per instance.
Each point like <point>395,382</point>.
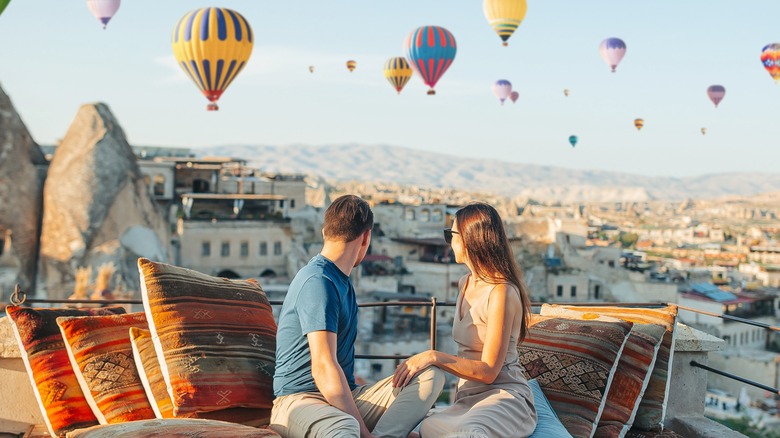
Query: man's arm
<point>329,377</point>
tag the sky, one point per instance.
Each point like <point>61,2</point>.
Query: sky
<point>55,57</point>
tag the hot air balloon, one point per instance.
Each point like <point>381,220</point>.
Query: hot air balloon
<point>212,45</point>
<point>770,56</point>
<point>703,131</point>
<point>716,93</point>
<point>103,10</point>
<point>3,4</point>
<point>566,92</point>
<point>398,72</point>
<point>639,123</point>
<point>351,64</point>
<point>513,96</point>
<point>573,140</point>
<point>504,16</point>
<point>430,50</point>
<point>502,89</point>
<point>612,51</point>
<point>311,69</point>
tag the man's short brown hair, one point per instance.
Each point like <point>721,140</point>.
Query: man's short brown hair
<point>347,218</point>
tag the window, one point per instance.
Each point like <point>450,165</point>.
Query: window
<point>409,214</point>
<point>245,249</point>
<point>277,248</point>
<point>611,263</point>
<point>437,216</point>
<point>574,291</point>
<point>205,249</point>
<point>159,185</point>
<point>559,291</point>
<point>263,248</point>
<point>225,249</point>
<point>425,215</point>
<point>292,203</point>
<point>281,203</point>
<point>597,291</point>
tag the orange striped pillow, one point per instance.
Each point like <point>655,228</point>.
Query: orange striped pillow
<point>102,357</point>
<point>174,428</point>
<point>56,388</point>
<point>215,338</point>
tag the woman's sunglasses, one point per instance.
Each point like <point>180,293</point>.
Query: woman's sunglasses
<point>448,234</point>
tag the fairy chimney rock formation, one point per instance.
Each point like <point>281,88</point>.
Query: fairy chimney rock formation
<point>96,207</point>
<point>20,197</point>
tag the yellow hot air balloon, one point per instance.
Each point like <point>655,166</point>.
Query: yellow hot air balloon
<point>505,16</point>
<point>639,123</point>
<point>398,72</point>
<point>351,65</point>
<point>311,69</point>
<point>703,131</point>
<point>212,45</point>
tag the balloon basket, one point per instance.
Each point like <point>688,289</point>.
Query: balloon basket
<point>212,107</point>
<point>431,92</point>
<point>505,44</point>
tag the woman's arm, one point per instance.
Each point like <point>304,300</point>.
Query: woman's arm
<point>503,304</point>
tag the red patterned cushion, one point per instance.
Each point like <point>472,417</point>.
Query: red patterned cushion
<point>215,338</point>
<point>102,356</point>
<point>632,374</point>
<point>652,408</point>
<point>574,362</point>
<point>174,428</point>
<point>56,388</point>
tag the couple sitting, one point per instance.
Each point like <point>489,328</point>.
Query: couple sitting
<point>314,384</point>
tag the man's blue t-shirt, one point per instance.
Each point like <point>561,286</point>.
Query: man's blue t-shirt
<point>320,297</point>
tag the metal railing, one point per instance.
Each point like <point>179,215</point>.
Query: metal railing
<point>18,298</point>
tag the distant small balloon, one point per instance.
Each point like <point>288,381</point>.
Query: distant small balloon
<point>612,50</point>
<point>639,123</point>
<point>566,92</point>
<point>103,10</point>
<point>716,93</point>
<point>513,96</point>
<point>573,140</point>
<point>703,131</point>
<point>351,65</point>
<point>770,57</point>
<point>502,89</point>
<point>311,69</point>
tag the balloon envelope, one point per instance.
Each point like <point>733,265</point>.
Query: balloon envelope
<point>351,65</point>
<point>703,131</point>
<point>612,50</point>
<point>311,69</point>
<point>103,10</point>
<point>573,140</point>
<point>770,57</point>
<point>716,93</point>
<point>430,51</point>
<point>566,92</point>
<point>398,72</point>
<point>212,45</point>
<point>639,123</point>
<point>513,96</point>
<point>504,16</point>
<point>502,89</point>
<point>3,4</point>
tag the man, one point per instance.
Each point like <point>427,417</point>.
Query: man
<point>314,384</point>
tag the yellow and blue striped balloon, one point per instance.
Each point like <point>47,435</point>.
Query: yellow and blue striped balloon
<point>505,16</point>
<point>398,72</point>
<point>212,45</point>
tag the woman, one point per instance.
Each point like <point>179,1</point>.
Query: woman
<point>493,398</point>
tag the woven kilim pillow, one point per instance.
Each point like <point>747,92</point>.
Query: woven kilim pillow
<point>174,428</point>
<point>652,409</point>
<point>215,338</point>
<point>56,388</point>
<point>632,375</point>
<point>154,384</point>
<point>102,357</point>
<point>574,362</point>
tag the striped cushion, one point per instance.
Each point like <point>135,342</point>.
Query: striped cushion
<point>632,375</point>
<point>174,428</point>
<point>215,338</point>
<point>56,388</point>
<point>574,362</point>
<point>154,384</point>
<point>102,357</point>
<point>652,409</point>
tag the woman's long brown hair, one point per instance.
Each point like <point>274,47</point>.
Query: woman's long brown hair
<point>488,250</point>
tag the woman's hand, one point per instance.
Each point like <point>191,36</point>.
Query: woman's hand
<point>409,368</point>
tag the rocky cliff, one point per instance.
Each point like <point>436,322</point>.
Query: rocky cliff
<point>96,207</point>
<point>20,195</point>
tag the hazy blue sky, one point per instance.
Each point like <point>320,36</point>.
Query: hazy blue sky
<point>55,56</point>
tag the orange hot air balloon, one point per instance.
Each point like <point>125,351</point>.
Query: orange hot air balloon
<point>351,65</point>
<point>639,123</point>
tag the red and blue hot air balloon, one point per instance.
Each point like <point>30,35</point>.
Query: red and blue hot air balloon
<point>431,50</point>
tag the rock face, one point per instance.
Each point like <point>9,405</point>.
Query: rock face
<point>20,195</point>
<point>96,207</point>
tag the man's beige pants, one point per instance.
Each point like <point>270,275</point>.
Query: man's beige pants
<point>387,411</point>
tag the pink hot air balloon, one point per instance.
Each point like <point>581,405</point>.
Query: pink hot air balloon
<point>502,89</point>
<point>716,93</point>
<point>513,96</point>
<point>612,50</point>
<point>103,10</point>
